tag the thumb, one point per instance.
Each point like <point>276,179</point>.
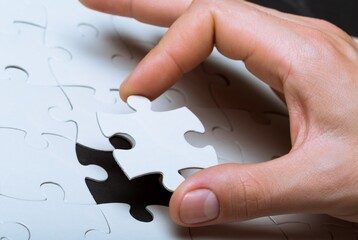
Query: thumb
<point>236,192</point>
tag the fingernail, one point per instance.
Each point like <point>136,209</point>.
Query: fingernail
<point>199,206</point>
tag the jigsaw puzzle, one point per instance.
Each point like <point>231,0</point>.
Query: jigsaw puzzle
<point>158,139</point>
<point>41,166</point>
<point>79,163</point>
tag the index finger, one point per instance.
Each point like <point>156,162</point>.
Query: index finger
<point>239,31</point>
<point>157,12</point>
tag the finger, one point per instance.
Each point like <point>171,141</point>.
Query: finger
<point>238,30</point>
<point>186,44</point>
<point>234,192</point>
<point>156,12</point>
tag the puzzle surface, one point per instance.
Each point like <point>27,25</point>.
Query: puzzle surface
<point>78,163</point>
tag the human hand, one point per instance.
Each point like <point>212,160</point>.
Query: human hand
<point>313,63</point>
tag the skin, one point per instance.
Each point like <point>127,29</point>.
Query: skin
<point>311,62</point>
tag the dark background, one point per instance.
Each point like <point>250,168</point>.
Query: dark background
<point>343,13</point>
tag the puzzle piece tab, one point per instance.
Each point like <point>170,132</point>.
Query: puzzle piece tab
<point>158,139</point>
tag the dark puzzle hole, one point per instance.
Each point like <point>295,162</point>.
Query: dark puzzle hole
<point>139,192</point>
<point>121,142</point>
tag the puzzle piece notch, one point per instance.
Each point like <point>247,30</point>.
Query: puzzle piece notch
<point>138,193</point>
<point>57,164</point>
<point>159,139</point>
<point>53,218</point>
<point>13,73</point>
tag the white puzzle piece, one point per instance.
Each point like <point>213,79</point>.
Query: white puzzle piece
<point>123,226</point>
<point>159,143</point>
<point>84,115</point>
<point>53,218</point>
<point>23,172</point>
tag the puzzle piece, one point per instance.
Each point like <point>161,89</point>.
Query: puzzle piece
<point>83,114</point>
<point>92,42</point>
<point>27,51</point>
<point>158,139</point>
<point>20,11</point>
<point>53,218</point>
<point>13,230</point>
<point>25,107</point>
<point>23,172</point>
<point>160,228</point>
<point>138,193</point>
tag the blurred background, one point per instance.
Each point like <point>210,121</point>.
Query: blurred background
<point>343,13</point>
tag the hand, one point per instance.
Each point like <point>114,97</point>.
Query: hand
<point>312,62</point>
